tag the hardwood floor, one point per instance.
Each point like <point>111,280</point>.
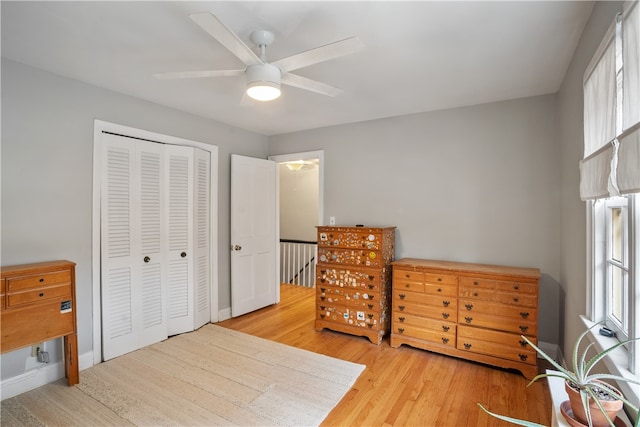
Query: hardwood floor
<point>403,386</point>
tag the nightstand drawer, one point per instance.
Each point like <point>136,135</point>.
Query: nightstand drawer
<point>37,295</point>
<point>38,281</point>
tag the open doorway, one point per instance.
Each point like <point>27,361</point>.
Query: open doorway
<point>300,207</point>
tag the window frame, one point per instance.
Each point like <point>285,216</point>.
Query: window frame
<point>626,360</point>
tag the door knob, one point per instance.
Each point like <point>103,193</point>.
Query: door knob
<point>147,259</point>
<point>237,247</point>
<point>183,254</point>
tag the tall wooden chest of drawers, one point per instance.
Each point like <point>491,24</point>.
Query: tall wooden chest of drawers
<point>353,280</point>
<point>472,311</point>
<point>39,304</point>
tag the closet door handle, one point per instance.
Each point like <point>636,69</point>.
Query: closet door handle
<point>183,254</point>
<point>146,259</point>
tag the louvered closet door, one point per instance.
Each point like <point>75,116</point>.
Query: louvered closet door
<point>202,250</point>
<point>132,242</point>
<point>179,196</point>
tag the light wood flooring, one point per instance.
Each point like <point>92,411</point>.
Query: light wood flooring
<point>403,386</point>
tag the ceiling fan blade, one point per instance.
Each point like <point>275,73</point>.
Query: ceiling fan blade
<point>212,25</point>
<point>320,54</point>
<point>311,85</point>
<point>197,74</point>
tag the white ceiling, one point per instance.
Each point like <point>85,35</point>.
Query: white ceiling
<point>419,56</point>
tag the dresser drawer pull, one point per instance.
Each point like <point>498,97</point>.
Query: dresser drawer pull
<point>371,286</point>
<point>516,287</point>
<point>445,328</point>
<point>523,357</point>
<point>322,307</point>
<point>401,319</point>
<point>445,340</point>
<point>468,306</point>
<point>323,289</point>
<point>323,271</point>
<point>439,279</point>
<point>475,294</point>
<point>467,346</point>
<point>524,314</point>
<point>439,289</point>
<point>323,280</point>
<point>371,277</point>
<point>407,285</point>
<point>401,330</point>
<point>524,328</point>
<point>516,299</point>
<point>445,315</point>
<point>468,319</point>
<point>523,343</point>
<point>41,294</point>
<point>446,303</point>
<point>402,296</point>
<point>41,280</point>
<point>370,315</point>
<point>401,307</point>
<point>322,298</point>
<point>370,306</point>
<point>322,316</point>
<point>408,276</point>
<point>476,283</point>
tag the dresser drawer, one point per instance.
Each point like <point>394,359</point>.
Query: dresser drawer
<point>362,278</point>
<point>442,326</point>
<point>437,278</point>
<point>447,339</point>
<point>18,284</point>
<point>499,323</point>
<point>494,343</point>
<point>348,316</point>
<point>519,299</point>
<point>37,295</point>
<point>347,297</point>
<point>355,257</point>
<point>438,301</point>
<point>400,275</point>
<point>439,313</point>
<point>349,238</point>
<point>500,285</point>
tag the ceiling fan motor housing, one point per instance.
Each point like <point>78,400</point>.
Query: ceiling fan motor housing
<point>263,73</point>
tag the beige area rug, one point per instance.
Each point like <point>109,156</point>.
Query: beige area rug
<point>213,376</point>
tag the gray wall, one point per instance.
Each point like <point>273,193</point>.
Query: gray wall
<point>47,160</point>
<point>476,184</point>
<point>573,211</point>
<point>298,203</point>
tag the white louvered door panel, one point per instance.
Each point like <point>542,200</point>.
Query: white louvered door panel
<point>179,214</point>
<point>201,251</point>
<point>132,294</point>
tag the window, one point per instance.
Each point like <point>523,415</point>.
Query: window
<point>615,252</point>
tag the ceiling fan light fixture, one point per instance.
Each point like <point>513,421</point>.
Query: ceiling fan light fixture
<point>263,82</point>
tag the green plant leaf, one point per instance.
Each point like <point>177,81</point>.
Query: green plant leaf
<point>511,420</point>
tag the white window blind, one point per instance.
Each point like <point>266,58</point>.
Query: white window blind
<point>628,173</point>
<point>611,163</point>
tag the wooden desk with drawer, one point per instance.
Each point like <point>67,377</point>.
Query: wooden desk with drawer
<point>37,304</point>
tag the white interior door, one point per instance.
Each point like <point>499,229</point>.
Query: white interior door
<point>254,242</point>
<point>133,288</point>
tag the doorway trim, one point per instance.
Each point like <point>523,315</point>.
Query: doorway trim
<point>306,155</point>
<point>99,127</point>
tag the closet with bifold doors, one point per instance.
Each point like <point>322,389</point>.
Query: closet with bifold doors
<point>155,238</point>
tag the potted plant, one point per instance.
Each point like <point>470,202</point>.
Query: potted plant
<point>591,395</point>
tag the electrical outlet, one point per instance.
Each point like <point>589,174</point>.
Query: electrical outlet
<point>332,220</point>
<point>35,347</point>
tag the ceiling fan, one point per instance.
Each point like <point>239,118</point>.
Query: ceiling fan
<point>264,78</point>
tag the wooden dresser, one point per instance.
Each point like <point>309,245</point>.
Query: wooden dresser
<point>353,280</point>
<point>472,311</point>
<point>39,304</point>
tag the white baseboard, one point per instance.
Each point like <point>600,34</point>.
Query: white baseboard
<point>224,314</point>
<point>40,376</point>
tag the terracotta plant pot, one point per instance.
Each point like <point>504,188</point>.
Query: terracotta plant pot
<point>598,419</point>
